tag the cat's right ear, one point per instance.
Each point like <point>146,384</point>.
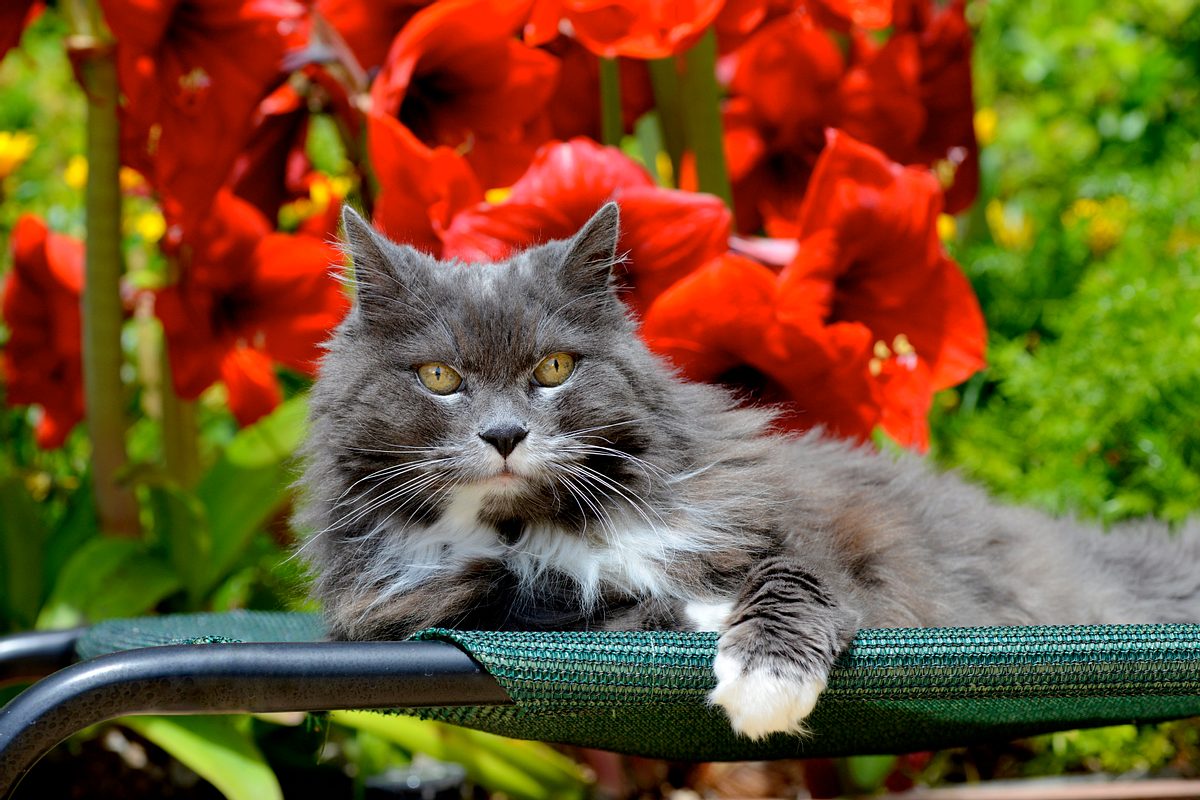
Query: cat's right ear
<point>380,268</point>
<point>592,253</point>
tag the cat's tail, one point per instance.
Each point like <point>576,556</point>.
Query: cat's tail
<point>1157,569</point>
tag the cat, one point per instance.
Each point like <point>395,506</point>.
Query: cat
<point>492,446</point>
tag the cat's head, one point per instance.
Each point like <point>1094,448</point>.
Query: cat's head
<point>505,393</point>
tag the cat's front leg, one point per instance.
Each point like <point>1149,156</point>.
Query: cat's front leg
<point>782,635</point>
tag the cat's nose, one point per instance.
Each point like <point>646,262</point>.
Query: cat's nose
<point>504,437</point>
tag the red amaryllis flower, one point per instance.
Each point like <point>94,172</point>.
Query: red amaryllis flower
<point>43,357</point>
<point>611,28</point>
<point>665,233</point>
<point>578,78</point>
<point>368,26</point>
<point>722,323</point>
<point>192,74</point>
<point>274,167</point>
<point>456,77</point>
<point>843,15</point>
<point>248,299</point>
<point>860,329</point>
<point>869,252</point>
<point>790,82</point>
<point>420,188</point>
<point>14,17</point>
<point>945,80</point>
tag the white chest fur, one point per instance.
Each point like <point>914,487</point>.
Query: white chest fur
<point>627,554</point>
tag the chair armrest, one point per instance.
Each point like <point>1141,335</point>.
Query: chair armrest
<point>26,657</point>
<point>233,678</point>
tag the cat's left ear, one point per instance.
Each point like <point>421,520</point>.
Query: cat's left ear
<point>593,251</point>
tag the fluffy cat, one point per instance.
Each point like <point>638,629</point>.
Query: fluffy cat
<point>492,446</point>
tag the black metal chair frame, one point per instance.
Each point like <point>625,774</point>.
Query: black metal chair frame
<point>69,695</point>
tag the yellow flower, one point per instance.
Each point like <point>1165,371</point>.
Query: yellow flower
<point>76,172</point>
<point>1010,225</point>
<point>150,225</point>
<point>15,147</point>
<point>1105,221</point>
<point>131,179</point>
<point>498,195</point>
<point>985,126</point>
<point>666,170</point>
<point>947,227</point>
<point>1103,233</point>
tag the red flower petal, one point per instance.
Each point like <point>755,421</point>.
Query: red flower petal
<point>192,74</point>
<point>457,78</point>
<point>642,29</point>
<point>420,189</point>
<point>789,73</point>
<point>560,191</point>
<point>579,77</point>
<point>714,319</point>
<point>880,94</point>
<point>266,296</point>
<point>868,229</point>
<point>15,15</point>
<point>949,102</point>
<point>669,234</point>
<point>843,14</point>
<point>369,26</point>
<point>720,323</point>
<point>250,382</point>
<point>42,360</point>
<point>299,302</point>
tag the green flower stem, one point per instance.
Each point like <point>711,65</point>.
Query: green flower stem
<point>664,77</point>
<point>180,433</point>
<point>612,122</point>
<point>701,112</point>
<point>102,308</point>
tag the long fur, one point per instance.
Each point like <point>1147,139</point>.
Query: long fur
<point>642,500</point>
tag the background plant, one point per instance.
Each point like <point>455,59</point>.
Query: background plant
<point>244,124</point>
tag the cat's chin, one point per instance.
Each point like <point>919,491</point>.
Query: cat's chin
<point>505,482</point>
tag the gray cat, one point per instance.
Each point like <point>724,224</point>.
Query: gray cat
<point>492,446</point>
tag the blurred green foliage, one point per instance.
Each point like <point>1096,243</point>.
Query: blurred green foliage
<point>1084,248</point>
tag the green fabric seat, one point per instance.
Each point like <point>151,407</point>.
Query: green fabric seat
<point>896,690</point>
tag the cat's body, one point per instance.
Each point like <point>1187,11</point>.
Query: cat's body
<point>623,497</point>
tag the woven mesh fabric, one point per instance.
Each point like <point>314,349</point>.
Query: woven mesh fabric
<point>112,635</point>
<point>893,691</point>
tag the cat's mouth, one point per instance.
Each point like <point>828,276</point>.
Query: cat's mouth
<point>503,479</point>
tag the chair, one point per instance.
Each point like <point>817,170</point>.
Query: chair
<point>895,690</point>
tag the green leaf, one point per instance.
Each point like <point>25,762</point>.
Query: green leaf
<point>107,578</point>
<point>216,749</point>
<point>22,538</point>
<point>868,773</point>
<point>518,769</point>
<point>179,523</point>
<point>78,525</point>
<point>248,483</point>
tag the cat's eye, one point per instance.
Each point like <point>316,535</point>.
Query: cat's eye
<point>554,369</point>
<point>439,378</point>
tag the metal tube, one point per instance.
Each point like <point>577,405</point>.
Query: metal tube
<point>26,657</point>
<point>233,678</point>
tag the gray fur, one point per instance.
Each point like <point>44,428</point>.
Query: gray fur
<point>668,493</point>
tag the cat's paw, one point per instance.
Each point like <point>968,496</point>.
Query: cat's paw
<point>765,698</point>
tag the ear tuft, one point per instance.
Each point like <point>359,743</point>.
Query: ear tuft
<point>593,251</point>
<point>381,268</point>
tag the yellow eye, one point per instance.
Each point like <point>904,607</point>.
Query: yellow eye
<point>439,378</point>
<point>554,369</point>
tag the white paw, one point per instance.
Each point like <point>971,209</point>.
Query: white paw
<point>764,701</point>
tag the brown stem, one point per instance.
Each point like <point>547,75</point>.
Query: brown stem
<point>102,308</point>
